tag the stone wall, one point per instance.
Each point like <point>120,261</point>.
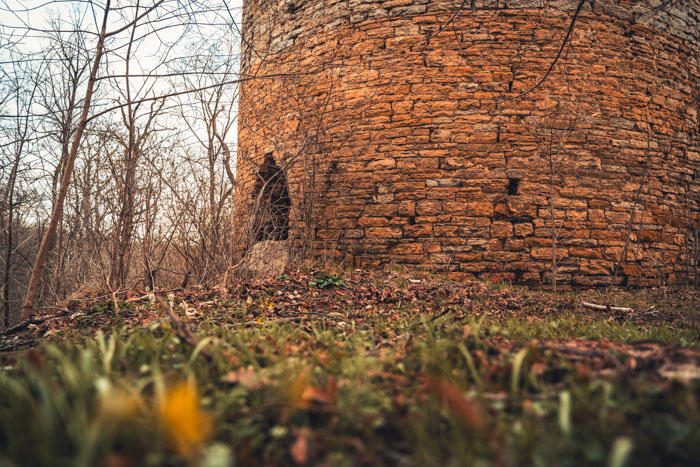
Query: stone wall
<point>405,138</point>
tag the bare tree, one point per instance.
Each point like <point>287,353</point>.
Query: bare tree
<point>59,98</point>
<point>209,112</point>
<point>103,34</point>
<point>106,166</point>
<point>552,133</point>
<point>18,136</point>
<point>124,172</point>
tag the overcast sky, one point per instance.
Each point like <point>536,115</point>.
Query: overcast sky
<point>165,45</point>
<point>26,23</point>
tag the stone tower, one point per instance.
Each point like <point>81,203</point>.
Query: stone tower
<point>484,138</point>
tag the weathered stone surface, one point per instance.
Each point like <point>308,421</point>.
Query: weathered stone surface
<point>417,151</point>
<point>501,229</point>
<point>523,230</point>
<point>268,258</point>
<point>443,182</point>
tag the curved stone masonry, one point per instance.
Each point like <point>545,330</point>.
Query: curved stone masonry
<point>404,145</point>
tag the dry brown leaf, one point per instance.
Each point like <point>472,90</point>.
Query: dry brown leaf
<point>300,448</point>
<point>463,407</point>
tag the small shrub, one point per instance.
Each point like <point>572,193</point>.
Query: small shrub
<point>327,281</point>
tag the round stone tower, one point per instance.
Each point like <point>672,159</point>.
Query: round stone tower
<point>487,138</point>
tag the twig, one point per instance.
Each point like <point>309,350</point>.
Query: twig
<point>57,308</point>
<point>180,327</point>
<point>556,59</point>
<point>440,315</point>
<point>123,292</point>
<point>432,318</point>
<point>442,28</point>
<point>11,349</point>
<point>115,304</point>
<point>319,315</point>
<point>595,306</point>
<point>25,324</point>
<point>64,311</point>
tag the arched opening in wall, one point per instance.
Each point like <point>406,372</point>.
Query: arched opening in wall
<point>272,202</point>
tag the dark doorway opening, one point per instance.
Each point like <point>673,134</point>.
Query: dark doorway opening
<point>513,185</point>
<point>272,212</point>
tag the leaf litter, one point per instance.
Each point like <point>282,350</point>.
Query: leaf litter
<point>402,367</point>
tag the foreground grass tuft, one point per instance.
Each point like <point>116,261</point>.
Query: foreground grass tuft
<point>279,379</point>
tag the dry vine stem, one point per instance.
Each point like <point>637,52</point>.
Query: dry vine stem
<point>181,329</point>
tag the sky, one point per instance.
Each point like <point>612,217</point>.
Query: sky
<point>158,47</point>
<point>27,23</point>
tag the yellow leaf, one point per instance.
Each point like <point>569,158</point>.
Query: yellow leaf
<point>295,390</point>
<point>187,427</point>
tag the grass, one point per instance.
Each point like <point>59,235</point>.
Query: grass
<point>401,384</point>
<point>571,326</point>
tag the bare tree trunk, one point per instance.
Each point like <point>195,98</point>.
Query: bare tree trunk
<point>9,199</point>
<point>37,270</point>
<point>6,278</point>
<point>10,203</point>
<point>59,262</point>
<point>125,220</point>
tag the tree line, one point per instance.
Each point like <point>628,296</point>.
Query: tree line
<point>117,121</point>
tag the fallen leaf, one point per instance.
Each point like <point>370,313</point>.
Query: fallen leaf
<point>187,427</point>
<point>314,394</point>
<point>300,448</point>
<point>463,407</point>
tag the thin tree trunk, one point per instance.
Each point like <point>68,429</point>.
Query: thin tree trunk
<point>37,270</point>
<point>8,251</point>
<point>553,192</point>
<point>10,202</point>
<point>59,261</point>
<point>125,221</point>
<point>554,244</point>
